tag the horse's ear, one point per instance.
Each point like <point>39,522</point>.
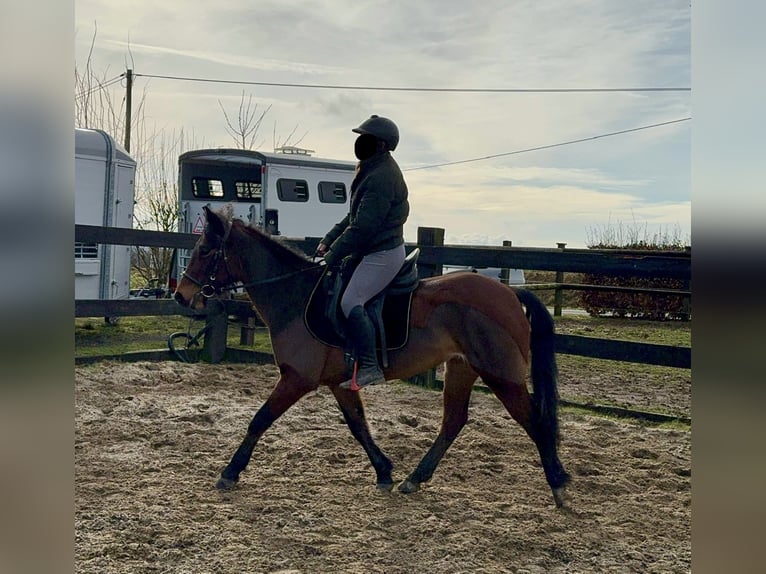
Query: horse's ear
<point>218,223</point>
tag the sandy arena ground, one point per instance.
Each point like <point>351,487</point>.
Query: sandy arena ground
<point>151,439</point>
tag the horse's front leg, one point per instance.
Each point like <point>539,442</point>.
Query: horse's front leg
<point>289,389</point>
<point>353,411</point>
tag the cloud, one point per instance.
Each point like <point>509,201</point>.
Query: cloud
<point>530,213</point>
<point>228,59</point>
<point>507,176</point>
<point>556,193</point>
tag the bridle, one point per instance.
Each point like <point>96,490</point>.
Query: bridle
<point>209,288</point>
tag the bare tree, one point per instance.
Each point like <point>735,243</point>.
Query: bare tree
<point>100,100</point>
<point>286,142</point>
<point>248,124</point>
<point>157,198</point>
<point>100,104</point>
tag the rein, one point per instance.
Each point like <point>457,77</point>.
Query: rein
<point>278,277</point>
<point>210,289</point>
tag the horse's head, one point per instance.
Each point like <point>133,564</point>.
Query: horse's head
<point>210,270</point>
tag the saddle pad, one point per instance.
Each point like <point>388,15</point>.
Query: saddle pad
<point>396,319</point>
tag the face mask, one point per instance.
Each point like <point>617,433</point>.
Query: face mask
<point>365,146</point>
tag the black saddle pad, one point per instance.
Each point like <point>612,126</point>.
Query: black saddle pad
<point>396,318</point>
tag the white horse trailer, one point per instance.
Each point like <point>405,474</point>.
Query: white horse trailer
<point>289,193</point>
<point>104,196</point>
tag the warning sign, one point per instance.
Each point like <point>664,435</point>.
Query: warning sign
<point>199,226</point>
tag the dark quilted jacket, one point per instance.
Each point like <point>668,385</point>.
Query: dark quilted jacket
<point>377,213</point>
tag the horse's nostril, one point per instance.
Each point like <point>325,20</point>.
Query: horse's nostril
<point>179,298</point>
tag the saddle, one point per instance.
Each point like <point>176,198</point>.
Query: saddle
<point>389,310</point>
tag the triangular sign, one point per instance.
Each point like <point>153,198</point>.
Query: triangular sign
<point>199,227</point>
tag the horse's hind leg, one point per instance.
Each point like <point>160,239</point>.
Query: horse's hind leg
<point>353,411</point>
<point>518,402</point>
<point>459,378</point>
<point>290,387</point>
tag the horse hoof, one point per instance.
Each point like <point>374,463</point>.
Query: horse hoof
<point>560,496</point>
<point>225,483</point>
<point>408,487</point>
<point>385,486</point>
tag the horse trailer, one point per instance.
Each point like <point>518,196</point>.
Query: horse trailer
<point>104,196</point>
<point>288,192</point>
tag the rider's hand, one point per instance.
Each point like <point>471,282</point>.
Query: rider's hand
<point>321,250</point>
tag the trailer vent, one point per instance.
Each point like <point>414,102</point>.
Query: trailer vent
<point>332,192</point>
<point>86,251</point>
<point>292,190</point>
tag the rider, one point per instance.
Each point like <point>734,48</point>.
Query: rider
<point>373,231</point>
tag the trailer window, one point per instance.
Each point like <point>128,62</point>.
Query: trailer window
<point>332,192</point>
<point>204,187</point>
<point>85,251</point>
<point>292,190</point>
<point>248,190</point>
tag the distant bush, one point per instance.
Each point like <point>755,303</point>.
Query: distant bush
<point>636,305</point>
<point>569,299</point>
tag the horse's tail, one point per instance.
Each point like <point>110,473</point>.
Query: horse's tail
<point>544,371</point>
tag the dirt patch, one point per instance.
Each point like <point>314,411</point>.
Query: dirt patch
<point>151,439</point>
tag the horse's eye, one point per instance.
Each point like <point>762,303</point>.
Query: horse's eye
<point>204,250</point>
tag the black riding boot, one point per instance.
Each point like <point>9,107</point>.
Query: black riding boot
<point>361,334</point>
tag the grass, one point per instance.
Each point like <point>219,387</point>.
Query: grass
<point>93,336</point>
<point>674,333</point>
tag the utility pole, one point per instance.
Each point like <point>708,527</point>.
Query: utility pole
<point>128,107</point>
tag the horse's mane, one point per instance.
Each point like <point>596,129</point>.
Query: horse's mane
<point>278,247</point>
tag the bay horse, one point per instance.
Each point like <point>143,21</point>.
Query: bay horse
<point>474,324</point>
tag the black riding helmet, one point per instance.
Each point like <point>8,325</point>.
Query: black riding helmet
<point>382,128</point>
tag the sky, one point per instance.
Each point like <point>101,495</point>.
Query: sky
<point>637,182</point>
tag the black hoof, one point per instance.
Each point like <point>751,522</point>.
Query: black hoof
<point>225,483</point>
<point>409,487</point>
<point>560,496</point>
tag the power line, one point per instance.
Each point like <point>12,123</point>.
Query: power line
<point>549,146</point>
<point>100,86</point>
<point>411,89</point>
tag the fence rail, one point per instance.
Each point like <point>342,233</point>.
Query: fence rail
<point>674,264</point>
<point>671,264</point>
<point>149,307</point>
<point>615,288</point>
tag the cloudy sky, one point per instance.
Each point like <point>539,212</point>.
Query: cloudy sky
<point>635,181</point>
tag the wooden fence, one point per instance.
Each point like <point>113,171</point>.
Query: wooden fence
<point>433,256</point>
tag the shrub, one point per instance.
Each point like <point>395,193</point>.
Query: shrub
<point>636,305</point>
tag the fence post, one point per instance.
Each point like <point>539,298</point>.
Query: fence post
<point>505,272</point>
<point>217,325</point>
<point>428,236</point>
<point>558,294</point>
<point>686,300</point>
<point>247,332</point>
